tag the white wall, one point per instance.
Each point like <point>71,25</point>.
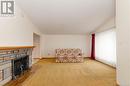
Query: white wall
<point>123,42</point>
<point>53,42</point>
<point>106,47</point>
<point>17,30</point>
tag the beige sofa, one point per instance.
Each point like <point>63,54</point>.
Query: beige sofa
<point>69,55</point>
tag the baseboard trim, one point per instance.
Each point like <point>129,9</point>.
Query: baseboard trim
<point>37,58</point>
<point>49,57</point>
<point>52,57</point>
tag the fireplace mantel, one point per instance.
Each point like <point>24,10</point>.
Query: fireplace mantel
<point>14,47</point>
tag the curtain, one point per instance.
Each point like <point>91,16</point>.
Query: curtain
<point>93,47</point>
<point>105,47</point>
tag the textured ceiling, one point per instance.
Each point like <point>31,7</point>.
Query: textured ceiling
<point>68,16</point>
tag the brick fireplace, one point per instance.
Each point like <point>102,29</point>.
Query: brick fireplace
<point>14,61</point>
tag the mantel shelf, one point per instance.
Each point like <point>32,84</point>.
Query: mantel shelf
<point>14,47</point>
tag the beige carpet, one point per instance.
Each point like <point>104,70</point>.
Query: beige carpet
<point>48,73</point>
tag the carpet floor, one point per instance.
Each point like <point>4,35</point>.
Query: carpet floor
<point>48,73</point>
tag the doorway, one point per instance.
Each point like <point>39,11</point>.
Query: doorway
<point>36,50</point>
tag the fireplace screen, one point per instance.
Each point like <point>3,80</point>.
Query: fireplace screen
<point>20,65</point>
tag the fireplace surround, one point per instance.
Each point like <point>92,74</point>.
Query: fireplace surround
<point>14,61</point>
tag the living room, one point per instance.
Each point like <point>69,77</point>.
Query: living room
<point>64,43</point>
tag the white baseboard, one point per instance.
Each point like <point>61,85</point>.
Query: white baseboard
<point>51,57</point>
<point>48,57</point>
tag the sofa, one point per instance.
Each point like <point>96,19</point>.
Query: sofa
<point>69,55</point>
